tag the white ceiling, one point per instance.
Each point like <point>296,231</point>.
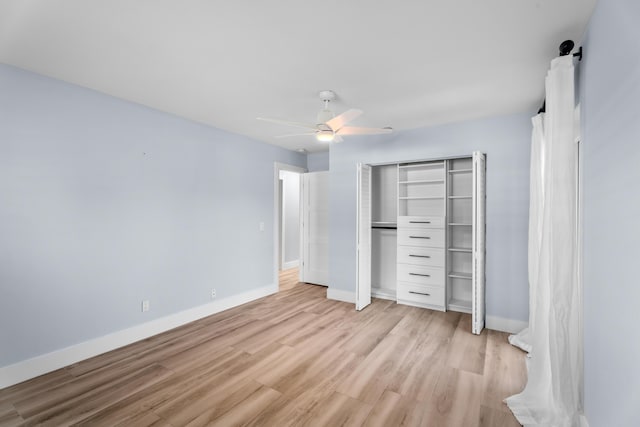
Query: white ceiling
<point>406,63</point>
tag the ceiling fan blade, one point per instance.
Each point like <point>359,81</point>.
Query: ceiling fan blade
<point>339,121</point>
<point>351,130</point>
<point>288,123</point>
<point>296,134</point>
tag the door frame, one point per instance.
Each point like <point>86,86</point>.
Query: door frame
<point>277,226</point>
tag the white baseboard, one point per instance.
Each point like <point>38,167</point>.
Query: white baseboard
<point>290,264</point>
<point>340,295</point>
<point>31,368</point>
<point>505,325</point>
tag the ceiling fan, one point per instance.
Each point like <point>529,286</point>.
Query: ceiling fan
<point>329,127</point>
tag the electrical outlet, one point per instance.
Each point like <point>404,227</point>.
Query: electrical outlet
<point>213,294</point>
<point>145,305</point>
<point>261,226</point>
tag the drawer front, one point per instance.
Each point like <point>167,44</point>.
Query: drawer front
<point>426,237</point>
<point>429,257</point>
<point>420,222</point>
<point>421,275</point>
<point>420,295</point>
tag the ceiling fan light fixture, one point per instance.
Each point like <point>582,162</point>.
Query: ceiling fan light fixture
<point>325,136</point>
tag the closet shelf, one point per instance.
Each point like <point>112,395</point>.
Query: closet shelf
<point>461,171</point>
<point>421,198</point>
<point>452,249</point>
<point>420,165</point>
<point>459,305</point>
<point>464,224</point>
<point>459,275</point>
<point>460,197</point>
<point>423,181</point>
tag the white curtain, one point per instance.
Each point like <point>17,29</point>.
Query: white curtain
<point>552,396</point>
<point>536,186</point>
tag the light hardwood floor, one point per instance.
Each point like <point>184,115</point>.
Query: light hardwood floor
<point>293,358</point>
<point>288,278</point>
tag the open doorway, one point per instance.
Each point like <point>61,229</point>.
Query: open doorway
<point>287,251</point>
<point>289,256</point>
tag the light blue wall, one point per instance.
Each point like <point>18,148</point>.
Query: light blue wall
<point>506,141</point>
<point>104,203</point>
<point>318,162</point>
<point>610,96</point>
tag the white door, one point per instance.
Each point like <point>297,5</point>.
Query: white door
<point>315,228</point>
<point>478,242</point>
<point>363,282</point>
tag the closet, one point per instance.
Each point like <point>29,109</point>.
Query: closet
<point>421,241</point>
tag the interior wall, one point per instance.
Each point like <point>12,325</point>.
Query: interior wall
<point>610,98</point>
<point>106,203</point>
<point>506,141</point>
<point>290,219</point>
<point>318,162</point>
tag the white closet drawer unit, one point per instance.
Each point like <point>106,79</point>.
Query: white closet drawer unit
<point>429,257</point>
<point>421,275</point>
<point>421,296</point>
<point>421,222</point>
<point>428,237</point>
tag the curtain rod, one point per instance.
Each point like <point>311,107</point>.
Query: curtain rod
<point>564,49</point>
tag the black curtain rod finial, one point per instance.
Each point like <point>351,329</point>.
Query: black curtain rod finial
<point>566,47</point>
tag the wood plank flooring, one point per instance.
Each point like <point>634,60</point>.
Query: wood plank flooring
<point>293,358</point>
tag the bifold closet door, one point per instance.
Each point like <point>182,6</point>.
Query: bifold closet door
<point>363,285</point>
<point>315,228</point>
<point>478,243</point>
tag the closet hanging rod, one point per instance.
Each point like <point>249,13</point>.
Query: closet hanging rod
<point>384,227</point>
<point>384,223</point>
<point>564,49</point>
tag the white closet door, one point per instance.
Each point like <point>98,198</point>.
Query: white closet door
<point>478,243</point>
<point>315,228</point>
<point>363,285</point>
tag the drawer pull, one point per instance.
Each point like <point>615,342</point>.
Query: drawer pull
<point>419,222</point>
<point>420,293</point>
<point>418,274</point>
<point>420,256</point>
<point>419,237</point>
